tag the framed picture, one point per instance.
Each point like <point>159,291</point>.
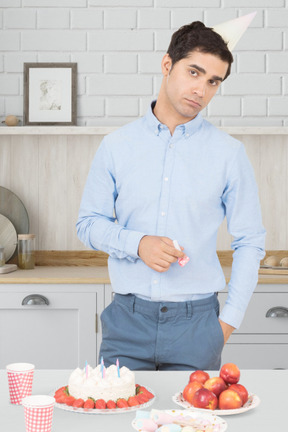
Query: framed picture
<point>50,94</point>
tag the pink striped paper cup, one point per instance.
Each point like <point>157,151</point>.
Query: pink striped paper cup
<point>20,380</point>
<point>38,413</point>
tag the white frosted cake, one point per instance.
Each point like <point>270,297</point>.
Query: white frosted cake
<point>111,387</point>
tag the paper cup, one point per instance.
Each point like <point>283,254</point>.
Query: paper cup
<point>38,413</point>
<point>20,379</point>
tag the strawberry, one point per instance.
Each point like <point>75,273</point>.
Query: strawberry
<point>100,404</point>
<point>89,403</point>
<point>111,404</point>
<point>142,398</point>
<point>133,401</point>
<point>122,403</point>
<point>137,388</point>
<point>61,398</point>
<point>59,391</point>
<point>69,400</point>
<point>146,392</point>
<point>78,403</point>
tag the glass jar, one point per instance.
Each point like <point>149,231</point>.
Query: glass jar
<point>2,256</point>
<point>26,251</point>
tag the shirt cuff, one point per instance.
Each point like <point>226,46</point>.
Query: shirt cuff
<point>132,243</point>
<point>231,316</point>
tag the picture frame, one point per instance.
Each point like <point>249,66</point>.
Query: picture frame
<point>50,94</point>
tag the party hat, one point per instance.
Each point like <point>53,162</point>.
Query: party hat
<point>231,31</point>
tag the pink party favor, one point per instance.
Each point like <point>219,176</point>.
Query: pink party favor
<point>181,261</point>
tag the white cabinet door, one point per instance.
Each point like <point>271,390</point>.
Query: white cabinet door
<point>58,335</point>
<point>108,294</point>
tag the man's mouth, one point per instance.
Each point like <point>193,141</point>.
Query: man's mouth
<point>193,103</point>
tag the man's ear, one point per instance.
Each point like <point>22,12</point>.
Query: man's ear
<point>166,64</point>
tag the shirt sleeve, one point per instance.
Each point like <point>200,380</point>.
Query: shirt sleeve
<point>97,226</point>
<point>244,223</point>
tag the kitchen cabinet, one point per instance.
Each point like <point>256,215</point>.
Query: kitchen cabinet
<point>67,332</point>
<point>52,326</point>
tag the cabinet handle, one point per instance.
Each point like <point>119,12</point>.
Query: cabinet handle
<point>35,300</point>
<point>277,312</point>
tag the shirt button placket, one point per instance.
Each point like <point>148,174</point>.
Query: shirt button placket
<point>163,208</point>
<point>165,192</point>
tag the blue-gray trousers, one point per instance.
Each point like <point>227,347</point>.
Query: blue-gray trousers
<point>146,335</point>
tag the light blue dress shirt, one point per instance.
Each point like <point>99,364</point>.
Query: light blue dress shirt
<point>143,181</point>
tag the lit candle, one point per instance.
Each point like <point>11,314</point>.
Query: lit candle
<point>118,370</point>
<point>102,368</point>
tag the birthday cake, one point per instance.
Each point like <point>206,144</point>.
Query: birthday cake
<point>91,383</point>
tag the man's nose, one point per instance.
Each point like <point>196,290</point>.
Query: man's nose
<point>200,89</point>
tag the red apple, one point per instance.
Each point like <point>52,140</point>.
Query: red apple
<point>241,390</point>
<point>229,399</point>
<point>199,376</point>
<point>230,373</point>
<point>204,398</point>
<point>216,385</point>
<point>190,390</point>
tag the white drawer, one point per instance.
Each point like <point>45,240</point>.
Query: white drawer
<point>256,356</point>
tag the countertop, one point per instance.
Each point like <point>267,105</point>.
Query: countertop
<point>268,385</point>
<point>93,275</point>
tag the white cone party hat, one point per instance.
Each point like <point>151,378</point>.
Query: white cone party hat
<point>231,31</point>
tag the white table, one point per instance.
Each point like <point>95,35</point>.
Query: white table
<point>269,385</point>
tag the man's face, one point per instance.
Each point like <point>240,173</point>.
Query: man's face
<point>191,83</point>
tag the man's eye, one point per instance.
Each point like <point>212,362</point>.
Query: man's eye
<point>213,83</point>
<point>193,72</point>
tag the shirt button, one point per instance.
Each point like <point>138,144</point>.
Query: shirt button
<point>163,213</point>
<point>166,179</point>
<point>155,281</point>
<point>164,309</point>
<point>171,146</point>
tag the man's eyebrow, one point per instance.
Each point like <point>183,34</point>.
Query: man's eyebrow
<point>200,69</point>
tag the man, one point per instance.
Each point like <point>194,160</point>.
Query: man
<point>173,176</point>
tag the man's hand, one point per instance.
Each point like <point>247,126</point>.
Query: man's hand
<point>158,253</point>
<point>227,330</point>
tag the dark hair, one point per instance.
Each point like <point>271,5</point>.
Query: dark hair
<point>197,37</point>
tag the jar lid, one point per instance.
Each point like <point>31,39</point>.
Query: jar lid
<point>26,236</point>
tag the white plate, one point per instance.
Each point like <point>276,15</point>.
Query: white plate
<point>105,411</point>
<point>12,207</point>
<point>8,237</point>
<point>253,402</point>
<point>219,424</point>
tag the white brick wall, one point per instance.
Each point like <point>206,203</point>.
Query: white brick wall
<point>118,46</point>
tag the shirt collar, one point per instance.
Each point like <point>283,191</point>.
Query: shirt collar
<point>188,128</point>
